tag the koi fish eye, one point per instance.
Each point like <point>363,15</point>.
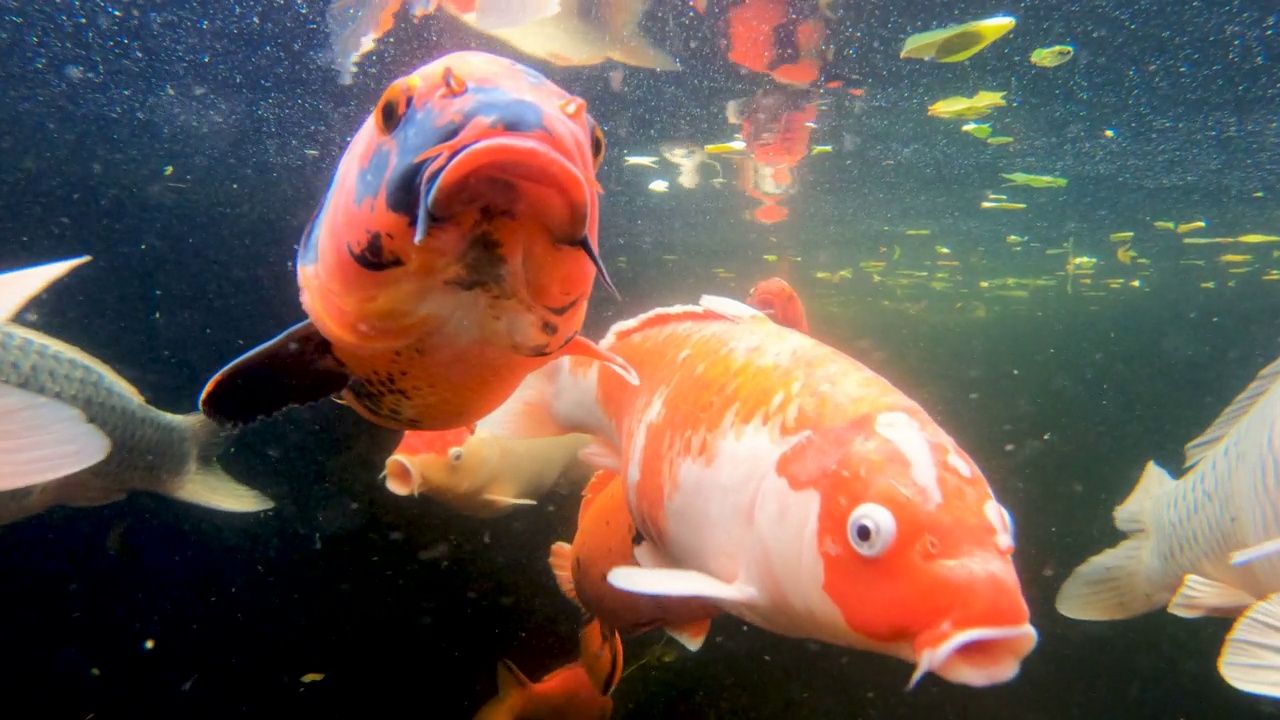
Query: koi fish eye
<point>872,529</point>
<point>455,455</point>
<point>393,105</point>
<point>597,144</point>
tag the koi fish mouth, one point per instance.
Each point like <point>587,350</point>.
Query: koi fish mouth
<point>514,181</point>
<point>401,477</point>
<point>977,657</point>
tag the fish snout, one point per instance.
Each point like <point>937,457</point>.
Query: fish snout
<point>986,633</point>
<point>401,476</point>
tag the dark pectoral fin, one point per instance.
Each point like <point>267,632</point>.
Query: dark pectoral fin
<point>296,368</point>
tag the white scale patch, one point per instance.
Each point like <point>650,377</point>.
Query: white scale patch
<point>899,429</point>
<point>996,516</point>
<point>960,465</point>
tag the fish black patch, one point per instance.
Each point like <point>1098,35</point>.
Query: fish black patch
<point>483,266</point>
<point>564,309</point>
<point>637,538</point>
<point>374,256</point>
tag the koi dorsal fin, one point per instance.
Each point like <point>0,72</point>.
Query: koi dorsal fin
<point>709,307</point>
<point>1226,421</point>
<point>598,485</point>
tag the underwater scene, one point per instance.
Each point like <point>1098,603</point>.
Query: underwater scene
<point>508,359</point>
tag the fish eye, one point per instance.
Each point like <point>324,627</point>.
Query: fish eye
<point>597,144</point>
<point>872,529</point>
<point>455,455</point>
<point>393,105</point>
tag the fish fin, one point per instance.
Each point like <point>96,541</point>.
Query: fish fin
<point>730,308</point>
<point>18,287</point>
<point>500,14</point>
<point>599,455</point>
<point>594,488</point>
<point>561,561</point>
<point>1110,585</point>
<point>1265,380</point>
<point>600,655</point>
<point>1131,515</point>
<point>513,688</point>
<point>43,439</point>
<point>1201,597</point>
<point>636,50</point>
<point>674,582</point>
<point>1256,552</point>
<point>691,635</point>
<point>208,485</point>
<point>504,500</point>
<point>1250,657</point>
<point>584,347</point>
<point>297,367</point>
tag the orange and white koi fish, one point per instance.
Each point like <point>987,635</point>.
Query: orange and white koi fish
<point>482,475</point>
<point>776,127</point>
<point>1207,544</point>
<point>603,541</point>
<point>453,254</point>
<point>793,487</point>
<point>577,691</point>
<point>778,300</point>
<point>563,32</point>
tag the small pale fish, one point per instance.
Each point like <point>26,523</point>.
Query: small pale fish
<point>956,43</point>
<point>1125,254</point>
<point>73,432</point>
<point>820,149</point>
<point>1188,227</point>
<point>959,107</point>
<point>919,232</point>
<point>1234,258</point>
<point>976,129</point>
<point>1206,241</point>
<point>1164,225</point>
<point>1002,206</point>
<point>725,147</point>
<point>993,196</point>
<point>999,140</point>
<point>1206,544</point>
<point>659,186</point>
<point>1052,56</point>
<point>643,160</point>
<point>1121,236</point>
<point>311,677</point>
<point>482,475</point>
<point>1255,238</point>
<point>1035,181</point>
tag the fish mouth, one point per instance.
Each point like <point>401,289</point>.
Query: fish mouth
<point>977,657</point>
<point>401,478</point>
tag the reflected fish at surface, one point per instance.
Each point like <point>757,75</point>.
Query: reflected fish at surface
<point>482,475</point>
<point>73,432</point>
<point>1204,545</point>
<point>604,540</point>
<point>454,252</point>
<point>793,487</point>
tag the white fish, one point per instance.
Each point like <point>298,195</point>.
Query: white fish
<point>645,160</point>
<point>1205,544</point>
<point>660,186</point>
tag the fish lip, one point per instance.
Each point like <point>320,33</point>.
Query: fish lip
<point>1016,642</point>
<point>526,162</point>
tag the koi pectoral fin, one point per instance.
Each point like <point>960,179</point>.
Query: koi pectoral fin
<point>503,500</point>
<point>296,368</point>
<point>672,582</point>
<point>1250,658</point>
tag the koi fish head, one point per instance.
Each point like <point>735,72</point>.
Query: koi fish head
<point>429,462</point>
<point>915,551</point>
<point>466,201</point>
<point>777,299</point>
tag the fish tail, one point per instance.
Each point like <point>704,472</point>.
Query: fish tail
<point>513,689</point>
<point>205,483</point>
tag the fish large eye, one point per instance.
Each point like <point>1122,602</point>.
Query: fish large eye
<point>597,144</point>
<point>872,529</point>
<point>455,455</point>
<point>394,104</point>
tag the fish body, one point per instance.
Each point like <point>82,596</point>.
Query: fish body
<point>605,540</point>
<point>73,432</point>
<point>482,475</point>
<point>779,301</point>
<point>577,691</point>
<point>453,253</point>
<point>794,488</point>
<point>1204,544</point>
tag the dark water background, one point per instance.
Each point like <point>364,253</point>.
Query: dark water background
<point>405,608</point>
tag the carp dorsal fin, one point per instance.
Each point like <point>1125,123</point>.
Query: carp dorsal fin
<point>297,367</point>
<point>17,287</point>
<point>709,307</point>
<point>1227,419</point>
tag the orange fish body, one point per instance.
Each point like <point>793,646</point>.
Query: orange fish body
<point>776,126</point>
<point>765,36</point>
<point>794,488</point>
<point>778,300</point>
<point>603,541</point>
<point>453,254</point>
<point>577,691</point>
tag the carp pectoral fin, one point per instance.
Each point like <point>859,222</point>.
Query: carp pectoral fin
<point>42,439</point>
<point>601,456</point>
<point>1202,597</point>
<point>561,561</point>
<point>17,287</point>
<point>1250,657</point>
<point>691,635</point>
<point>503,500</point>
<point>674,582</point>
<point>296,368</point>
<point>580,345</point>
